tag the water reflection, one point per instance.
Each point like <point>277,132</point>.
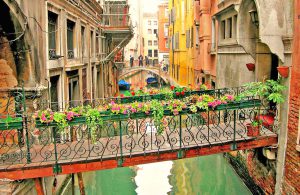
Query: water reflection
<point>210,175</point>
<point>153,178</point>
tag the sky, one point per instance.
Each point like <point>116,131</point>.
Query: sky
<point>150,6</point>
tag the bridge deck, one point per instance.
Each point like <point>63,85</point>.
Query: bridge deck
<point>142,146</point>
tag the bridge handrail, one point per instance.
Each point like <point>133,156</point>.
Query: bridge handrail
<point>121,136</point>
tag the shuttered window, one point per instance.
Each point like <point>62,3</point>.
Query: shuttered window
<point>70,38</point>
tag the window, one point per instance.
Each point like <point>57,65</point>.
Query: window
<point>177,40</point>
<point>234,26</point>
<point>149,31</point>
<point>70,38</point>
<point>197,36</point>
<point>155,23</point>
<point>97,44</point>
<point>213,35</point>
<point>149,52</point>
<point>92,43</point>
<point>223,32</point>
<point>187,43</point>
<point>149,22</point>
<point>149,43</point>
<point>155,42</point>
<point>166,29</point>
<point>167,44</point>
<point>82,41</point>
<point>155,31</point>
<point>155,53</point>
<point>52,26</point>
<point>213,84</point>
<point>229,27</point>
<point>166,12</point>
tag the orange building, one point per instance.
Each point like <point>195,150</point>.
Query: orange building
<point>205,58</point>
<point>163,26</point>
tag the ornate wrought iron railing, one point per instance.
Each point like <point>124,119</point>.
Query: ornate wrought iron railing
<point>26,142</point>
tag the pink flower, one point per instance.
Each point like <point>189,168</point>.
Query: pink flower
<point>125,112</point>
<point>175,112</point>
<point>70,116</point>
<point>44,118</point>
<point>230,97</point>
<point>133,110</point>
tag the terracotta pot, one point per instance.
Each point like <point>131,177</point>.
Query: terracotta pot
<point>250,66</point>
<point>252,131</point>
<point>283,71</point>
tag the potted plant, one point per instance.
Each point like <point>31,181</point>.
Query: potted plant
<point>253,129</point>
<point>283,71</point>
<point>250,66</point>
<point>271,90</point>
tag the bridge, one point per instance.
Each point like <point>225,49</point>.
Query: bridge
<point>153,69</point>
<point>31,149</point>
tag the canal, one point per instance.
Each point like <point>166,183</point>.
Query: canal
<point>211,175</point>
<point>202,175</point>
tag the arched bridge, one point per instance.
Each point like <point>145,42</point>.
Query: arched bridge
<point>153,69</point>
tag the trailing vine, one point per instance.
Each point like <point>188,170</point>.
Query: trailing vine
<point>61,120</point>
<point>93,118</point>
<point>158,114</point>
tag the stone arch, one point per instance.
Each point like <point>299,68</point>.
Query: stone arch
<point>18,56</point>
<point>271,28</point>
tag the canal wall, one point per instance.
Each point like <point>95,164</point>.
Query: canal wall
<point>257,172</point>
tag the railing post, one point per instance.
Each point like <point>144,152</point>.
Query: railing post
<point>180,152</point>
<point>25,123</point>
<point>120,160</point>
<point>233,145</point>
<point>208,129</point>
<point>57,168</point>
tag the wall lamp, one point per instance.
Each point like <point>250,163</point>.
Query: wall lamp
<point>254,17</point>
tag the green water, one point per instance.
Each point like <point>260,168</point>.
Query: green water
<point>202,175</point>
<point>210,175</point>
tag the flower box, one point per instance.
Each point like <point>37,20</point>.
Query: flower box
<point>11,123</point>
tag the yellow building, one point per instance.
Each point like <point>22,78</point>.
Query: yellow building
<point>183,45</point>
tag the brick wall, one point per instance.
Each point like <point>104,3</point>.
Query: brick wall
<point>263,176</point>
<point>291,183</point>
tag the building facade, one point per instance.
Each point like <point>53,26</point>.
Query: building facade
<point>64,49</point>
<point>163,30</point>
<point>150,37</point>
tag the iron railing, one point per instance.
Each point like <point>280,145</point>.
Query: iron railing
<point>24,141</point>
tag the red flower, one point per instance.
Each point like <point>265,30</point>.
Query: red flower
<point>172,87</point>
<point>122,95</point>
<point>182,93</point>
<point>141,88</point>
<point>132,93</point>
<point>177,93</point>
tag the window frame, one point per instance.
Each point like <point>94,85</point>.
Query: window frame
<point>52,50</point>
<point>71,44</point>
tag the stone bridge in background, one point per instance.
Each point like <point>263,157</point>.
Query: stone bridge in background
<point>125,72</point>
